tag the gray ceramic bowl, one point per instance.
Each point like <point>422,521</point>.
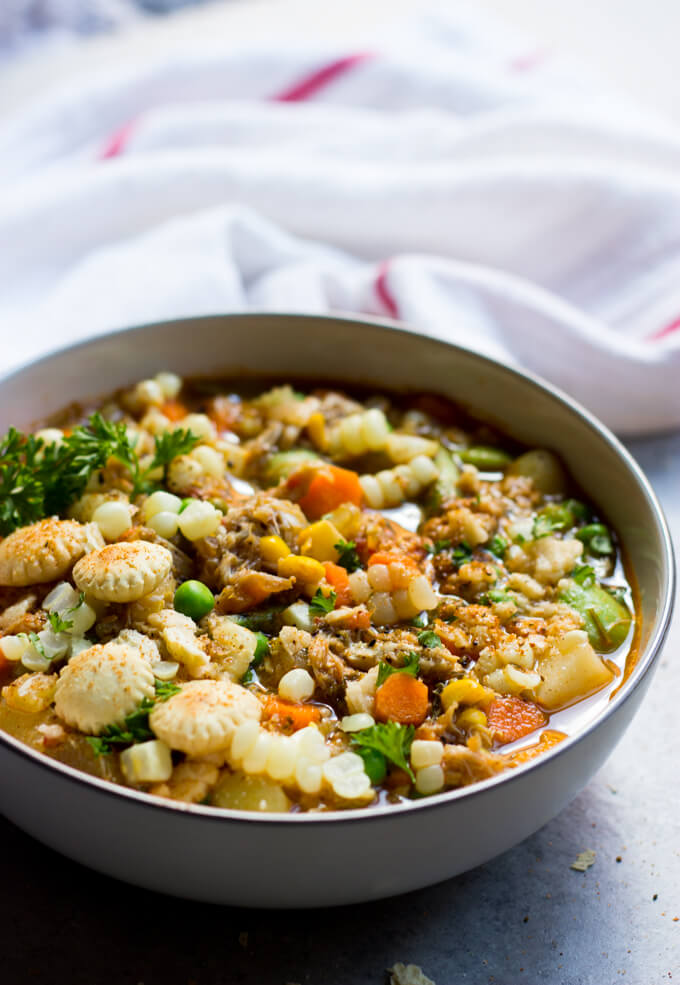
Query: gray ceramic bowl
<point>309,860</point>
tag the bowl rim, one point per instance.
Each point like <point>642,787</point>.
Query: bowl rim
<point>438,801</point>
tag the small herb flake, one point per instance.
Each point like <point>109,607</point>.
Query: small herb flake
<point>349,558</point>
<point>321,604</point>
<point>497,546</point>
<point>58,624</point>
<point>410,667</point>
<point>462,553</point>
<point>441,545</point>
<point>429,639</point>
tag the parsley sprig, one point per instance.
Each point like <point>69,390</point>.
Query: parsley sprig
<point>38,479</point>
<point>321,604</point>
<point>391,739</point>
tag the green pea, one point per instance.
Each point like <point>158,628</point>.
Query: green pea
<point>375,764</point>
<point>194,599</point>
<point>605,618</point>
<point>596,538</point>
<point>486,458</point>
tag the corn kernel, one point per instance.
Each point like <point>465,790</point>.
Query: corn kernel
<point>316,428</point>
<point>200,425</point>
<point>422,594</point>
<point>170,384</point>
<point>165,523</point>
<point>160,502</point>
<point>426,753</point>
<point>465,691</point>
<point>319,540</point>
<point>13,647</point>
<point>199,519</point>
<point>210,461</point>
<point>304,569</point>
<point>113,519</point>
<point>273,549</point>
<point>471,718</point>
<point>296,685</point>
<point>430,779</point>
<point>357,722</point>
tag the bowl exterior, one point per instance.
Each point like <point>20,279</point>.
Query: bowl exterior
<point>221,856</point>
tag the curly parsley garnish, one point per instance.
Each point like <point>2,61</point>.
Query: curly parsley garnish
<point>38,479</point>
<point>391,739</point>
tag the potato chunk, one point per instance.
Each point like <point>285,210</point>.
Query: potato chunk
<point>570,670</point>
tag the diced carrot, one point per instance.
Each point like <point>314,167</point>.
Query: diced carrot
<point>290,716</point>
<point>392,557</point>
<point>330,487</point>
<point>402,699</point>
<point>512,718</point>
<point>174,410</point>
<point>338,579</point>
<point>548,739</point>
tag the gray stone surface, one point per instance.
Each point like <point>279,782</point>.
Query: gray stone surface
<point>524,917</point>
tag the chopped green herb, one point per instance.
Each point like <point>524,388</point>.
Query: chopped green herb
<point>498,546</point>
<point>461,554</point>
<point>349,558</point>
<point>58,624</point>
<point>441,545</point>
<point>35,640</point>
<point>411,666</point>
<point>38,479</point>
<point>583,575</point>
<point>135,728</point>
<point>553,517</point>
<point>165,689</point>
<point>321,604</point>
<point>420,621</point>
<point>390,739</point>
<point>497,595</point>
<point>429,639</point>
<point>596,538</point>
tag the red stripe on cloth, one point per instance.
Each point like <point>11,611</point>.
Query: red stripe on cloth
<point>529,60</point>
<point>382,289</point>
<point>311,84</point>
<point>661,333</point>
<point>117,142</point>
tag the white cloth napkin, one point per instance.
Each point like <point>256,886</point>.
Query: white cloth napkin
<point>442,174</point>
